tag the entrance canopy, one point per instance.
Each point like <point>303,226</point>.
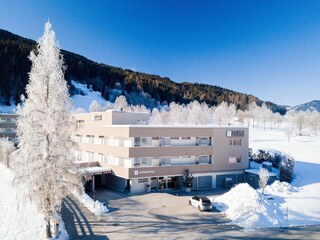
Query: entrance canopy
<point>96,170</point>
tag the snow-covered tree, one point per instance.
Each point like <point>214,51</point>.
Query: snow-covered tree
<point>95,106</point>
<point>80,110</point>
<point>241,116</point>
<point>252,112</point>
<point>219,113</point>
<point>231,114</point>
<point>45,164</point>
<point>140,108</point>
<point>198,113</point>
<point>263,178</point>
<point>6,148</point>
<point>121,103</point>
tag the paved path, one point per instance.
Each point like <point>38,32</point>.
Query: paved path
<point>161,216</point>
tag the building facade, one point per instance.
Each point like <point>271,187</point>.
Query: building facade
<point>8,126</point>
<point>137,157</point>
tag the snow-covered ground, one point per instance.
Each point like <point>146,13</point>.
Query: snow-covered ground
<point>284,204</point>
<point>84,101</point>
<point>19,218</point>
<point>8,109</point>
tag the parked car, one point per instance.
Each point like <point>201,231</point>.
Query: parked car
<point>201,202</point>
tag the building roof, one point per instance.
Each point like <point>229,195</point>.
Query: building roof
<point>96,170</point>
<point>256,172</point>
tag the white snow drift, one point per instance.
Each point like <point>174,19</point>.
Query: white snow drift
<point>284,204</point>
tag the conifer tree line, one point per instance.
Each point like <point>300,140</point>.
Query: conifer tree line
<point>151,89</point>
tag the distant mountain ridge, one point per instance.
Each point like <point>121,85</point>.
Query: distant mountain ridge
<point>312,106</point>
<point>149,89</point>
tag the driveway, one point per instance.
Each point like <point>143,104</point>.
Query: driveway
<point>161,216</point>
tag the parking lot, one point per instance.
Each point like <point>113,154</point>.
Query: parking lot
<point>161,215</point>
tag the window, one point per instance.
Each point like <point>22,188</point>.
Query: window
<point>235,133</point>
<point>203,141</point>
<point>233,160</point>
<point>185,138</point>
<point>101,140</point>
<point>136,141</point>
<point>111,141</point>
<point>146,161</point>
<point>165,161</point>
<point>175,138</point>
<point>97,117</point>
<point>80,121</point>
<point>143,180</point>
<point>155,138</point>
<point>203,159</point>
<point>235,142</point>
<point>136,162</point>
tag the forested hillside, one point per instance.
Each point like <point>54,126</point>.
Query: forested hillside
<point>14,68</point>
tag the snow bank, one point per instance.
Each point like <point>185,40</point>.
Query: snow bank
<point>96,207</point>
<point>280,187</point>
<point>63,235</point>
<point>19,218</point>
<point>248,208</point>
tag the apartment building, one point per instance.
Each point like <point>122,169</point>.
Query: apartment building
<point>120,150</point>
<point>8,126</point>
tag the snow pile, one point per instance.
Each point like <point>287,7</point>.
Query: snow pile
<point>280,187</point>
<point>96,207</point>
<point>248,208</point>
<point>19,218</point>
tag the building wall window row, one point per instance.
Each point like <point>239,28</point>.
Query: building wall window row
<point>86,156</point>
<point>144,141</point>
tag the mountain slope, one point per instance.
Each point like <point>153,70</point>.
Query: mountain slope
<point>14,68</point>
<point>312,106</point>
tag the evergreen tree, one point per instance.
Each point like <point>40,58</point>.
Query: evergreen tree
<point>45,164</point>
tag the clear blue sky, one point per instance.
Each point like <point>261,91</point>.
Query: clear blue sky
<point>270,49</point>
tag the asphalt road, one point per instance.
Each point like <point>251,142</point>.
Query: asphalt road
<point>162,216</point>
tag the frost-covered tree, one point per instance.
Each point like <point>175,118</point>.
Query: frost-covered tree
<point>198,114</point>
<point>140,108</point>
<point>220,113</point>
<point>231,114</point>
<point>95,106</point>
<point>6,148</point>
<point>45,166</point>
<point>263,179</point>
<point>252,112</point>
<point>80,110</point>
<point>121,103</point>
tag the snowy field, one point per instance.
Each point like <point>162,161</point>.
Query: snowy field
<point>19,219</point>
<point>284,205</point>
<point>84,101</point>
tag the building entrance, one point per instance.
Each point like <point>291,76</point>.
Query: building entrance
<point>169,183</point>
